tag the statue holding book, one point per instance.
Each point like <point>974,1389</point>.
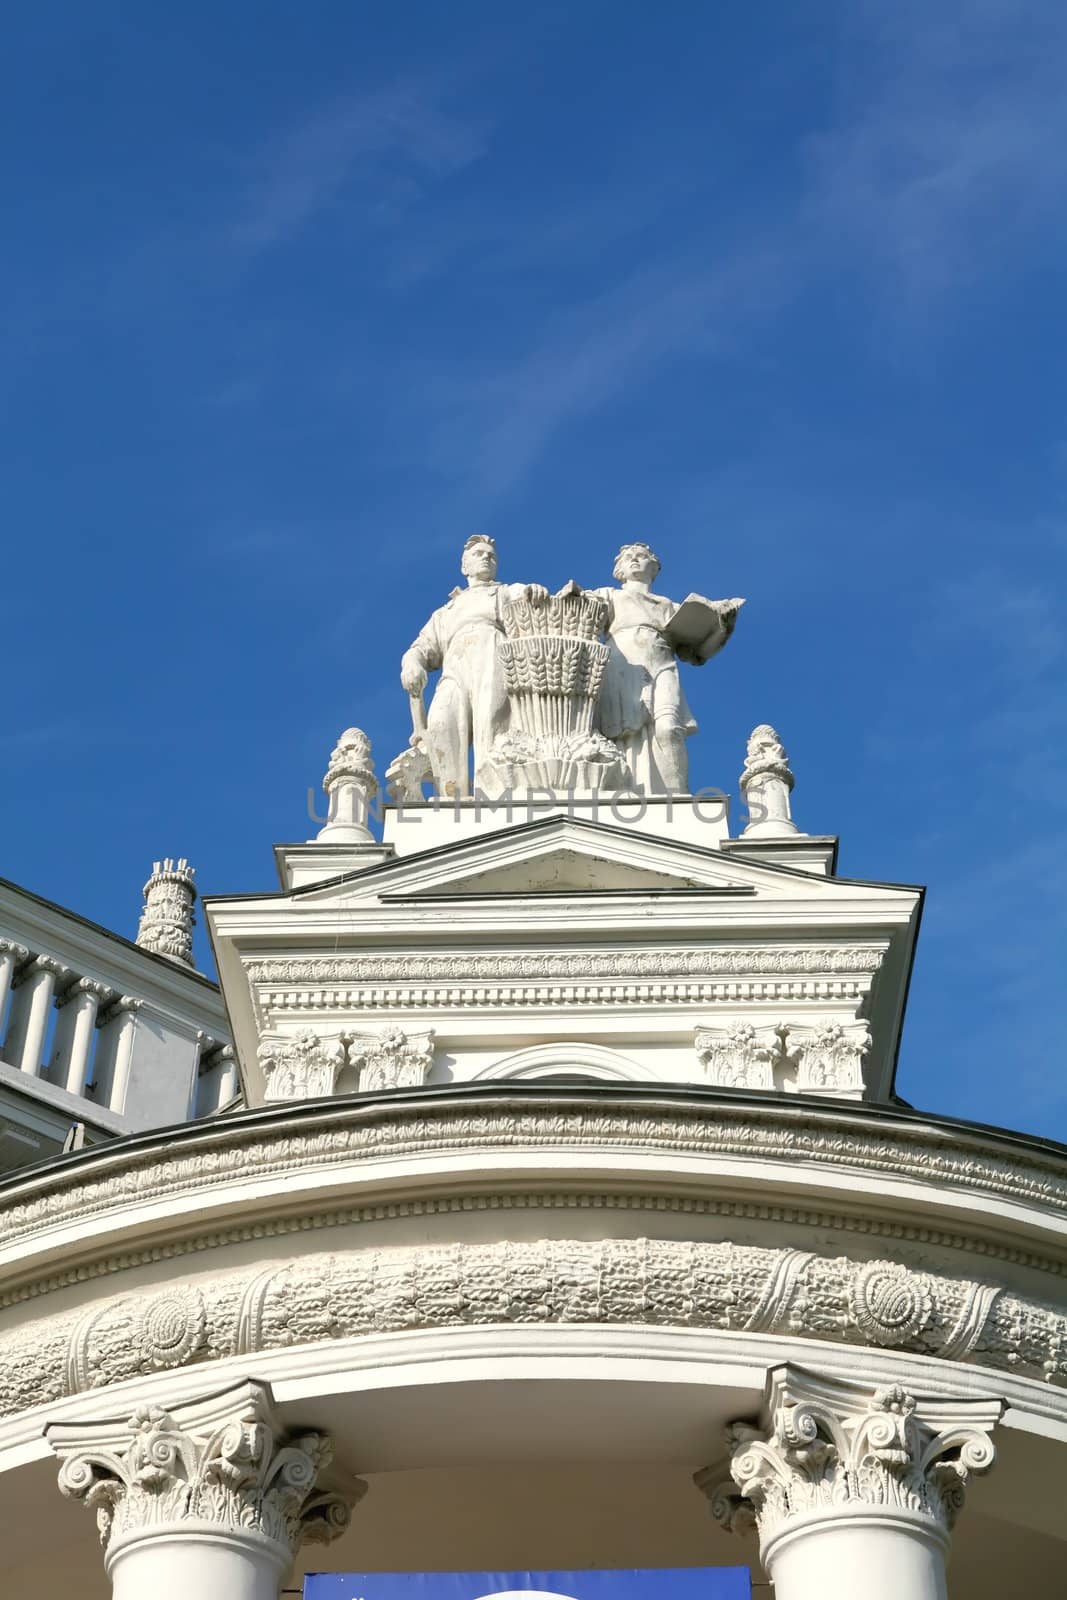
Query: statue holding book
<point>642,705</point>
<point>576,690</point>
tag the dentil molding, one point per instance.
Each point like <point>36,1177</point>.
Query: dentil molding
<point>686,1284</point>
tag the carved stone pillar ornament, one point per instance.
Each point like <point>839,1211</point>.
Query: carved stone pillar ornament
<point>301,1066</point>
<point>166,925</point>
<point>350,786</point>
<point>829,1057</point>
<point>853,1491</point>
<point>393,1060</point>
<point>739,1056</point>
<point>815,1058</point>
<point>766,783</point>
<point>212,1499</point>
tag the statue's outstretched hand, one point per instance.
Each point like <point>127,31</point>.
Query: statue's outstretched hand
<point>536,593</point>
<point>412,675</point>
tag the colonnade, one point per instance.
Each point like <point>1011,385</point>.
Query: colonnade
<point>852,1490</point>
<point>39,984</point>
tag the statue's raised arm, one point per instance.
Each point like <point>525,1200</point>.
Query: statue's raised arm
<point>642,703</point>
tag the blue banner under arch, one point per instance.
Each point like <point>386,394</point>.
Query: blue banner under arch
<point>669,1583</point>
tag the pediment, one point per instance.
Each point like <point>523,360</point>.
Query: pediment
<point>566,857</point>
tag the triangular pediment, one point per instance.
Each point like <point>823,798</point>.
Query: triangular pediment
<point>568,856</point>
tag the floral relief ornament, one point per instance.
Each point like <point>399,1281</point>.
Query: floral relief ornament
<point>238,1474</point>
<point>301,1066</point>
<point>830,1445</point>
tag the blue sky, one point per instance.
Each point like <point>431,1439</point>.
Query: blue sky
<point>292,299</point>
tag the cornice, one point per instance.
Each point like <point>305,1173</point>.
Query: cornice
<point>795,1137</point>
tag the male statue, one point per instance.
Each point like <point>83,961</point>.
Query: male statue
<point>470,705</point>
<point>642,703</point>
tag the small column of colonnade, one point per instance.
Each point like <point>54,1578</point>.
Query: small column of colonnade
<point>852,1490</point>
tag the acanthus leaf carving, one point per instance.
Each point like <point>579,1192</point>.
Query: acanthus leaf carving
<point>739,1056</point>
<point>226,1462</point>
<point>392,1059</point>
<point>300,1066</point>
<point>828,1443</point>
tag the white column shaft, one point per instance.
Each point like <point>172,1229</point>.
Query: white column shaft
<point>842,1556</point>
<point>84,1006</point>
<point>40,989</point>
<point>200,1565</point>
<point>120,1077</point>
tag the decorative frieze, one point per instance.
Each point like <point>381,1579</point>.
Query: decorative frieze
<point>830,1446</point>
<point>661,1282</point>
<point>225,1464</point>
<point>301,1066</point>
<point>540,966</point>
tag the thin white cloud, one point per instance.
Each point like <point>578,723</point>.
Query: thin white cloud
<point>949,140</point>
<point>397,138</point>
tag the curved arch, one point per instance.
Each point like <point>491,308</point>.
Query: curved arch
<point>563,1059</point>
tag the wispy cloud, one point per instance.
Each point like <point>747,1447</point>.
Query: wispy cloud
<point>395,140</point>
<point>497,422</point>
<point>948,142</point>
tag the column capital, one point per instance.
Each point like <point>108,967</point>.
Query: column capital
<point>81,986</point>
<point>223,1465</point>
<point>830,1448</point>
<point>11,947</point>
<point>43,963</point>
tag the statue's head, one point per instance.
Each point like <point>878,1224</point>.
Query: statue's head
<point>479,557</point>
<point>635,561</point>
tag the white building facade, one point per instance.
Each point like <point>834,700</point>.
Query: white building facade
<point>569,1218</point>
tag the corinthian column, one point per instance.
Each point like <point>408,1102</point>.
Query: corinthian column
<point>853,1491</point>
<point>211,1500</point>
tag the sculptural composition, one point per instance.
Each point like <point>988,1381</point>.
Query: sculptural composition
<point>578,690</point>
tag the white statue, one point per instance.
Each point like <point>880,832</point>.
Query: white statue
<point>766,782</point>
<point>643,707</point>
<point>470,704</point>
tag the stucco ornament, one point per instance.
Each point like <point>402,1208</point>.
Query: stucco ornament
<point>642,706</point>
<point>733,1288</point>
<point>166,925</point>
<point>236,1471</point>
<point>739,1056</point>
<point>300,1066</point>
<point>766,783</point>
<point>553,656</point>
<point>829,1057</point>
<point>350,786</point>
<point>392,1059</point>
<point>469,708</point>
<point>831,1444</point>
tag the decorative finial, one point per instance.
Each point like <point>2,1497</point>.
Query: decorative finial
<point>166,925</point>
<point>766,783</point>
<point>350,785</point>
